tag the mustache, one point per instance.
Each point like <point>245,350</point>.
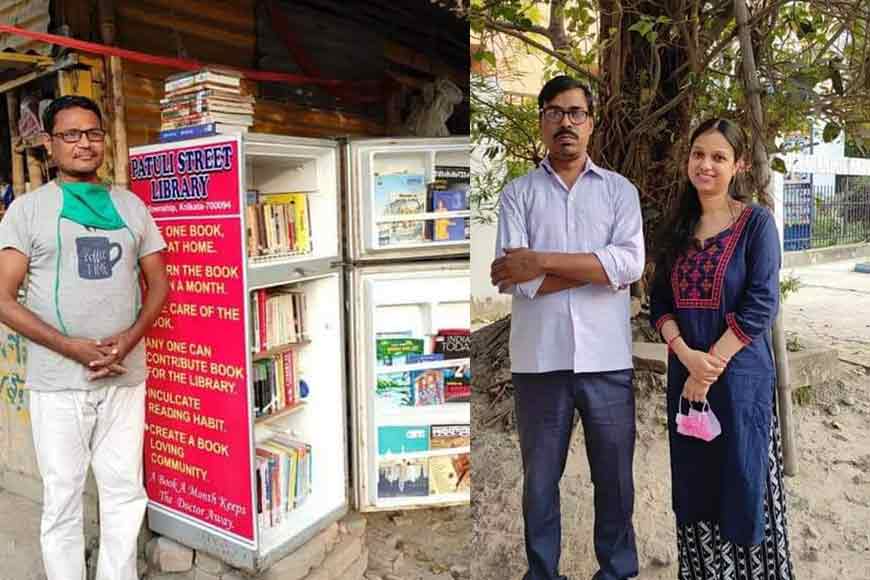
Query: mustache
<point>565,131</point>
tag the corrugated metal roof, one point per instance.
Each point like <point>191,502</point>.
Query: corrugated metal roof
<point>30,15</point>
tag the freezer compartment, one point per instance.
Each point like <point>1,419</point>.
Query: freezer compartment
<point>410,198</point>
<point>291,201</point>
<point>412,385</point>
<point>300,451</point>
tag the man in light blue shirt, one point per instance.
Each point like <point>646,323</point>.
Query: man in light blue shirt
<point>570,242</point>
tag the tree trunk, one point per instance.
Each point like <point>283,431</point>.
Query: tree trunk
<point>761,178</point>
<point>639,79</point>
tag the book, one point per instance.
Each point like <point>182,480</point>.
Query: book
<point>290,385</point>
<point>280,318</point>
<point>452,229</point>
<point>403,478</point>
<point>283,471</point>
<point>394,351</point>
<point>207,75</point>
<point>298,206</point>
<point>187,132</point>
<point>397,194</point>
<point>281,225</point>
<point>412,358</point>
<point>394,389</point>
<point>449,192</point>
<point>203,99</point>
<point>252,237</point>
<point>200,91</point>
<point>453,343</point>
<point>450,474</point>
<point>457,384</point>
<point>402,439</point>
<point>427,387</point>
<point>172,122</point>
<point>449,436</point>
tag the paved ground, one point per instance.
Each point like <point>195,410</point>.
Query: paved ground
<point>833,306</point>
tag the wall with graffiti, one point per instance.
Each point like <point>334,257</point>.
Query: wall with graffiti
<point>16,442</point>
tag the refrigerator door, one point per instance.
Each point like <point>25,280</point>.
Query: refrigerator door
<point>211,412</point>
<point>281,173</point>
<point>411,385</point>
<point>407,198</point>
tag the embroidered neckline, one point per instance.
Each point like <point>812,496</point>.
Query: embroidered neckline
<point>732,234</point>
<point>702,245</point>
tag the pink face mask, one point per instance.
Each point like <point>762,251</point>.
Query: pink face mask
<point>701,424</point>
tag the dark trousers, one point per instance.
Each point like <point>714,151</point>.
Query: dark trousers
<point>545,404</point>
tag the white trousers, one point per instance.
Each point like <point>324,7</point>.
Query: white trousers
<point>104,429</point>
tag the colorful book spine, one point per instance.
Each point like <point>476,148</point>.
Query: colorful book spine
<point>188,132</point>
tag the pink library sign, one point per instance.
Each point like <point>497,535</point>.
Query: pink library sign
<point>198,434</point>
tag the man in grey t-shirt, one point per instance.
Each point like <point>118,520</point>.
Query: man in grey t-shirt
<point>82,247</point>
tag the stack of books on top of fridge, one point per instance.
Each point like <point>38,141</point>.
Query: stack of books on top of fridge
<point>204,102</point>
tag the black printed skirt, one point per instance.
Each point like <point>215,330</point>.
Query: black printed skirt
<point>705,555</point>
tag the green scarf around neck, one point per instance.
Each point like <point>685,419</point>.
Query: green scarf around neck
<point>90,205</point>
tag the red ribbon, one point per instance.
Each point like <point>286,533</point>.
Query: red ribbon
<point>192,64</point>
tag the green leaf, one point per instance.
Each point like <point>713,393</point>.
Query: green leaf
<point>485,55</point>
<point>830,132</point>
<point>777,164</point>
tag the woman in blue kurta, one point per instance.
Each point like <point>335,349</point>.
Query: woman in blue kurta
<point>714,298</point>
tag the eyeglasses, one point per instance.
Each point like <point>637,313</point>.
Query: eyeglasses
<point>75,135</point>
<point>555,115</point>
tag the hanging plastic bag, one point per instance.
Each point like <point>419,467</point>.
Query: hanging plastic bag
<point>29,124</point>
<point>701,424</point>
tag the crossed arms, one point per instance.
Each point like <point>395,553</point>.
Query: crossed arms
<point>522,271</point>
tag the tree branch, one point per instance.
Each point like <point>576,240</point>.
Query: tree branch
<point>507,29</point>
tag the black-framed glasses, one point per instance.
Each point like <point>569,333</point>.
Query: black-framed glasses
<point>556,114</point>
<point>75,135</point>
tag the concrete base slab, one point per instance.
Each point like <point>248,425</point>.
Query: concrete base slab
<point>813,365</point>
<point>825,255</point>
<point>650,356</point>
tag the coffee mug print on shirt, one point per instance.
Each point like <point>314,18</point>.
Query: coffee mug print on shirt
<point>95,257</point>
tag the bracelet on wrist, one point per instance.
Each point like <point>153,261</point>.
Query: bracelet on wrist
<point>671,342</point>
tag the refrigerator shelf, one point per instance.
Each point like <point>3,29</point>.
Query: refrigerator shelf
<point>430,215</point>
<point>435,364</point>
<point>404,503</point>
<point>287,271</point>
<point>448,413</point>
<point>462,246</point>
<point>266,420</point>
<point>264,354</point>
<point>422,454</point>
<point>276,257</point>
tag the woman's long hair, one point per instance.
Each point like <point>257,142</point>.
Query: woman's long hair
<point>678,231</point>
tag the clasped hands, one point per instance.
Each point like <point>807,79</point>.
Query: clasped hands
<point>516,266</point>
<point>704,368</point>
<point>102,357</point>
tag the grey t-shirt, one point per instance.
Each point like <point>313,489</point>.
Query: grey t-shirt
<point>97,294</point>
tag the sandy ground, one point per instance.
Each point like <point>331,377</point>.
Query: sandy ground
<point>431,544</point>
<point>828,501</point>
